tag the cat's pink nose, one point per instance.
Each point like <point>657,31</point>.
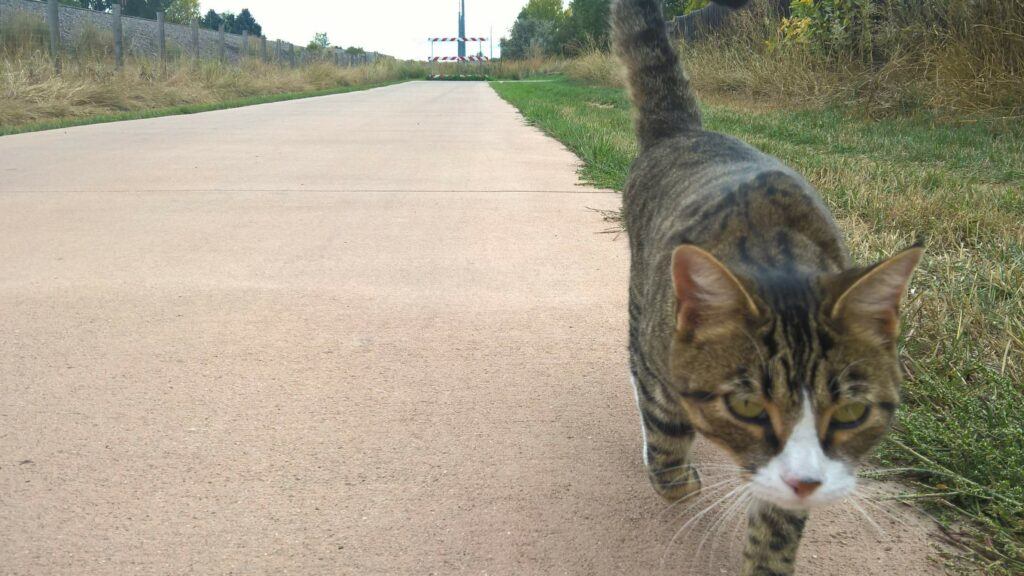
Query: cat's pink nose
<point>802,486</point>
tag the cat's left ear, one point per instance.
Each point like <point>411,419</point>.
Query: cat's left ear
<point>870,305</point>
<point>709,297</point>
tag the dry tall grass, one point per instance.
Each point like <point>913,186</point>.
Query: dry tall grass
<point>957,57</point>
<point>31,92</point>
<point>90,85</point>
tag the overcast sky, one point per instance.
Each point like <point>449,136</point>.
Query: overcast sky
<point>396,27</point>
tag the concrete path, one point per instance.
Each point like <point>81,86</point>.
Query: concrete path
<point>375,333</point>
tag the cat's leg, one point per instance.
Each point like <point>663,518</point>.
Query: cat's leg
<point>668,441</point>
<point>773,536</point>
<point>667,433</point>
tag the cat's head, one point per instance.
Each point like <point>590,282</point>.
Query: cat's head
<point>796,377</point>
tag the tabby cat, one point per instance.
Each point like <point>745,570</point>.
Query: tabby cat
<point>747,321</point>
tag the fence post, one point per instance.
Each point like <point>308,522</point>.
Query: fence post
<point>291,54</point>
<point>195,42</point>
<point>277,50</point>
<point>263,49</point>
<point>161,34</point>
<point>53,15</point>
<point>245,45</point>
<point>118,37</point>
<point>222,44</point>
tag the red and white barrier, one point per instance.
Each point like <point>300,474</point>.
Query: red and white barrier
<point>458,59</point>
<point>457,39</point>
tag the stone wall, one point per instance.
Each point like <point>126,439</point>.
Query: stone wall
<point>141,36</point>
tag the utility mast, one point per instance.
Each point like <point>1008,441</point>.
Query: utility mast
<point>462,28</point>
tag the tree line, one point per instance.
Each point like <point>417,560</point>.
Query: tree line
<point>178,12</point>
<point>548,28</point>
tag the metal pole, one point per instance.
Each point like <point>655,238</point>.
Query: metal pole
<point>263,49</point>
<point>195,42</point>
<point>223,41</point>
<point>118,37</point>
<point>53,13</point>
<point>462,29</point>
<point>245,44</point>
<point>162,41</point>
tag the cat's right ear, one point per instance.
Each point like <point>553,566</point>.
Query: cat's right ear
<point>707,293</point>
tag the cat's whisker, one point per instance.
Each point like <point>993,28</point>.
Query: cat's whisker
<point>717,478</point>
<point>693,522</point>
<point>696,497</point>
<point>858,508</point>
<point>729,466</point>
<point>729,512</point>
<point>695,518</point>
<point>704,512</point>
<point>883,471</point>
<point>737,520</point>
<point>701,467</point>
<point>865,499</point>
<point>692,500</point>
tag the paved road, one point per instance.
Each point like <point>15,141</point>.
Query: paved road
<point>375,333</point>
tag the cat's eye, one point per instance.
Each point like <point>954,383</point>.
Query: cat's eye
<point>746,408</point>
<point>850,415</point>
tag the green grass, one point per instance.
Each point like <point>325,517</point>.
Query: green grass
<point>890,182</point>
<point>184,109</point>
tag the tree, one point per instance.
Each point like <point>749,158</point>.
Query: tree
<point>235,24</point>
<point>586,26</point>
<point>530,37</point>
<point>144,8</point>
<point>212,20</point>
<point>183,11</point>
<point>229,21</point>
<point>245,22</point>
<point>99,5</point>
<point>544,10</point>
<point>534,31</point>
<point>319,42</point>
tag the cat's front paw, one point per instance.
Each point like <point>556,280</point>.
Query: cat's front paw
<point>675,483</point>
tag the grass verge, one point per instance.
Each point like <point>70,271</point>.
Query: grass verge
<point>184,109</point>
<point>960,437</point>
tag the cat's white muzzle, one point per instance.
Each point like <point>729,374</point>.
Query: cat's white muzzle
<point>802,476</point>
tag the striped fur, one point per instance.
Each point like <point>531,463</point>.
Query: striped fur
<point>741,286</point>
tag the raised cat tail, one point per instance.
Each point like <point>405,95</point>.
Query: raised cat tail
<point>661,92</point>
